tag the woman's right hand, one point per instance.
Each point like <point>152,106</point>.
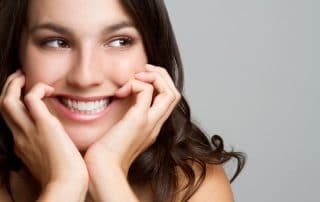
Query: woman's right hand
<point>40,140</point>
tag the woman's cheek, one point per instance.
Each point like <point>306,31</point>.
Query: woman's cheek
<point>126,66</point>
<point>45,69</point>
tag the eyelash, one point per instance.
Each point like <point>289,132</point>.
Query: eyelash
<point>45,42</point>
<point>124,39</point>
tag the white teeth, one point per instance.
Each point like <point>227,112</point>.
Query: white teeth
<point>89,107</point>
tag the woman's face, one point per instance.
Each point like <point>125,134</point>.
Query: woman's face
<point>86,50</point>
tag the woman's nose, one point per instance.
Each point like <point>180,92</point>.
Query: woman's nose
<point>86,70</point>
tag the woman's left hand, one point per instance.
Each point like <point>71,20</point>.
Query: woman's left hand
<point>155,98</point>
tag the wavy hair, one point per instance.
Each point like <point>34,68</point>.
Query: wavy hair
<point>180,141</point>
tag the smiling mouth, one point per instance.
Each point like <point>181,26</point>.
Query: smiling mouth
<point>92,106</point>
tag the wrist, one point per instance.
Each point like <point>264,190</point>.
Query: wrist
<point>101,165</point>
<point>65,190</point>
<point>111,185</point>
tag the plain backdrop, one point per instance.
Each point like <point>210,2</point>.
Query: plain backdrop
<point>252,75</point>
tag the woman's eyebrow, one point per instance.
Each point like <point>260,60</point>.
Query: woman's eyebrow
<point>64,30</point>
<point>118,26</point>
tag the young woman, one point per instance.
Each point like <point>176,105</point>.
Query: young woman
<point>91,107</point>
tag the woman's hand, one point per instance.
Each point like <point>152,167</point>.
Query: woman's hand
<point>40,140</point>
<point>155,98</point>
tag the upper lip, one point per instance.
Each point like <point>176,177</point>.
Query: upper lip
<point>84,99</point>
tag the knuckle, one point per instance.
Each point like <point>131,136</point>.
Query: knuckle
<point>38,86</point>
<point>20,148</point>
<point>6,103</point>
<point>149,88</point>
<point>156,73</point>
<point>152,140</point>
<point>178,96</point>
<point>146,86</point>
<point>11,77</point>
<point>171,97</point>
<point>164,71</point>
<point>19,144</point>
<point>153,137</point>
<point>28,98</point>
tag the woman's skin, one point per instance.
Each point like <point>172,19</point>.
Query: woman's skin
<point>76,55</point>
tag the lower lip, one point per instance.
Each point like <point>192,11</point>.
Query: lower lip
<point>79,117</point>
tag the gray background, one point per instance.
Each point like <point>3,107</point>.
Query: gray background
<point>252,76</point>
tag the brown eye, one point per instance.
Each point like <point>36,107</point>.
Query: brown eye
<point>55,43</point>
<point>121,42</point>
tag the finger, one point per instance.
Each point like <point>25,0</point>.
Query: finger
<point>8,81</point>
<point>35,104</point>
<point>159,122</point>
<point>165,75</point>
<point>165,95</point>
<point>163,72</point>
<point>136,117</point>
<point>14,128</point>
<point>124,91</point>
<point>163,100</point>
<point>143,94</point>
<point>161,109</point>
<point>154,78</point>
<point>13,108</point>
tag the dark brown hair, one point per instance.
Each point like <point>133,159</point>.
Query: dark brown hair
<point>180,141</point>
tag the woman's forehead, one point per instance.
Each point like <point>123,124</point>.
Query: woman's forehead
<point>81,15</point>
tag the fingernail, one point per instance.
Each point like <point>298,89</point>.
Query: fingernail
<point>150,66</point>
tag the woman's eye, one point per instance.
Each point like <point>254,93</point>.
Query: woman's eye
<point>121,42</point>
<point>55,43</point>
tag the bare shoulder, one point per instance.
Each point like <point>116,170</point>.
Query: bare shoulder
<point>4,196</point>
<point>215,187</point>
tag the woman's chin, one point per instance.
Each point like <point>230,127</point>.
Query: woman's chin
<point>83,145</point>
<point>83,139</point>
